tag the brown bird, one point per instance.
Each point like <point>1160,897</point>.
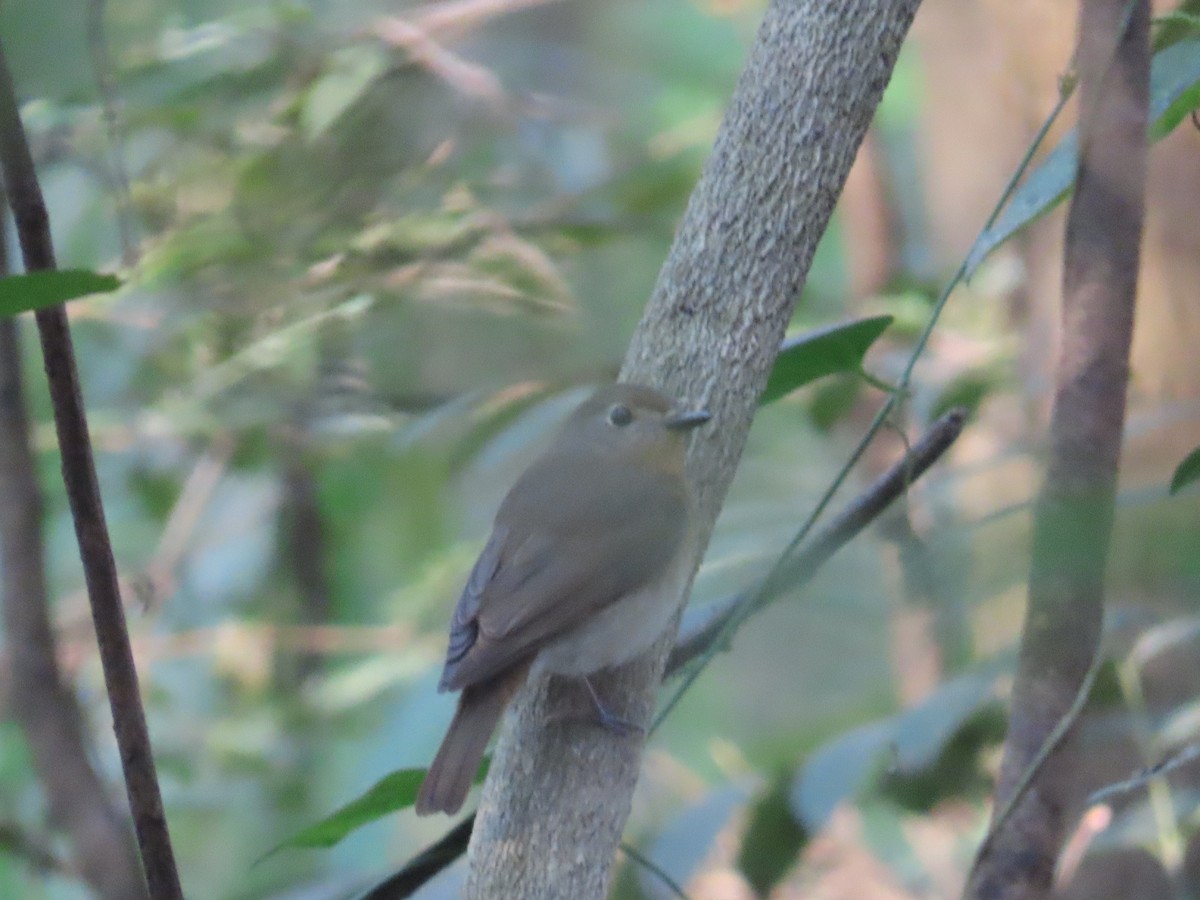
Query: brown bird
<point>581,573</point>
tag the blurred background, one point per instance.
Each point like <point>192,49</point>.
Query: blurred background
<point>373,251</point>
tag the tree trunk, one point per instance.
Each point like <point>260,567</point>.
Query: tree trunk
<point>559,792</point>
<point>1074,512</point>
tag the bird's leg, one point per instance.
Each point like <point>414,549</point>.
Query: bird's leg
<point>611,720</point>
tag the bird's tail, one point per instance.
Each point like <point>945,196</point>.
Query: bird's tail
<point>452,771</point>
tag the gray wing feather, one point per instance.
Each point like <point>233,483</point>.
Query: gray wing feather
<point>530,585</point>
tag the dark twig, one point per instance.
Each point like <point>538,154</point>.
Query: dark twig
<point>425,865</point>
<point>793,570</point>
<point>83,494</point>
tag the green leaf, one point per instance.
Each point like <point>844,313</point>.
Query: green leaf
<point>1174,86</point>
<point>805,358</point>
<point>1174,92</point>
<point>1177,25</point>
<point>351,71</point>
<point>38,290</point>
<point>1187,472</point>
<point>773,840</point>
<point>393,792</point>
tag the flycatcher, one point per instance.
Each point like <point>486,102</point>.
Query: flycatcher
<point>582,571</point>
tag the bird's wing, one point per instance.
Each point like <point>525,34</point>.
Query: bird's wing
<point>564,545</point>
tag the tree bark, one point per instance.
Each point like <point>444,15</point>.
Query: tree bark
<point>559,793</point>
<point>1074,513</point>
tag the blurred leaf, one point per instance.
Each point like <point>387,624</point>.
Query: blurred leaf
<point>772,841</point>
<point>395,791</point>
<point>655,187</point>
<point>38,290</point>
<point>956,772</point>
<point>833,399</point>
<point>1186,472</point>
<point>1182,726</point>
<point>884,835</point>
<point>683,844</point>
<point>910,740</point>
<point>1176,25</point>
<point>806,357</point>
<point>1174,92</point>
<point>492,417</point>
<point>351,71</point>
<point>1174,86</point>
<point>967,390</point>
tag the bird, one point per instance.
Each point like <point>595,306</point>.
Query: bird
<point>587,557</point>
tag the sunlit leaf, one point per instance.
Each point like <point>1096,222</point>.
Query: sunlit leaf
<point>1174,92</point>
<point>395,791</point>
<point>1186,472</point>
<point>806,357</point>
<point>38,290</point>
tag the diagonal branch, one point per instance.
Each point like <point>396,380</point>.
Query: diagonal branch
<point>83,494</point>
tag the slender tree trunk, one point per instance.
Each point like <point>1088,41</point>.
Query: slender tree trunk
<point>1074,512</point>
<point>555,804</point>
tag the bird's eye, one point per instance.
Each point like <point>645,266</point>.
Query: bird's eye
<point>620,415</point>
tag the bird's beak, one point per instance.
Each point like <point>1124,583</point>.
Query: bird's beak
<point>686,421</point>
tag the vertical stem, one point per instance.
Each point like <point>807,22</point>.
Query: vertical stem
<point>1074,513</point>
<point>83,494</point>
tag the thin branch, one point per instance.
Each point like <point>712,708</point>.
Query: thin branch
<point>452,19</point>
<point>83,494</point>
<point>425,865</point>
<point>1053,741</point>
<point>656,870</point>
<point>1186,754</point>
<point>156,582</point>
<point>796,568</point>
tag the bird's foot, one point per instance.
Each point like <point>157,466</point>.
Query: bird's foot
<point>611,720</point>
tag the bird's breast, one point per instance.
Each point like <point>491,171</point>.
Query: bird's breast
<point>623,629</point>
